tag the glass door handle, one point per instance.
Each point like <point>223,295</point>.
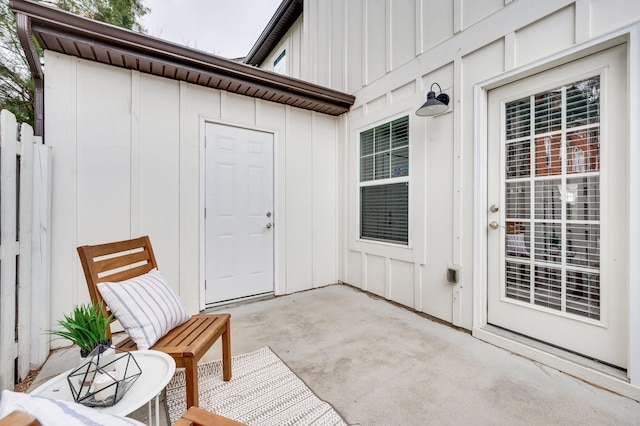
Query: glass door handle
<point>494,225</point>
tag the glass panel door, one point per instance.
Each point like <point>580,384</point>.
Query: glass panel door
<point>556,157</point>
<point>552,193</point>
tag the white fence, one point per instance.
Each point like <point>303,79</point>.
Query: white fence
<point>25,166</point>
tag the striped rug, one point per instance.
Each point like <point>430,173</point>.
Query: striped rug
<point>262,391</point>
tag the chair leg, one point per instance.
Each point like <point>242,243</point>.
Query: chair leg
<point>191,381</point>
<point>226,353</point>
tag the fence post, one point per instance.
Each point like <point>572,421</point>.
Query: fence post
<point>40,249</point>
<point>8,252</point>
<point>24,236</point>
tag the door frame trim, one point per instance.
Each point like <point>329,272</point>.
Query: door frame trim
<point>202,202</point>
<point>631,36</point>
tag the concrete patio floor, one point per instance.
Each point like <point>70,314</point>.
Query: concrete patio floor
<point>380,364</point>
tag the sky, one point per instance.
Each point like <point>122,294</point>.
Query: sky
<point>228,28</point>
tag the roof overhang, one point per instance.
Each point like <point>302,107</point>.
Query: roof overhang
<point>288,12</point>
<point>63,32</point>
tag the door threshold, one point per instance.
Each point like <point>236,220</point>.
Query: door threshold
<point>229,302</point>
<point>584,361</point>
<point>590,371</point>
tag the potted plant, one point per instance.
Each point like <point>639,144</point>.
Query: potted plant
<point>86,327</point>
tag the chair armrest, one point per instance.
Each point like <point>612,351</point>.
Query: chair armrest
<point>198,417</point>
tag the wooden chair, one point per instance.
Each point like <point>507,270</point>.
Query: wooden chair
<point>187,343</point>
<point>198,417</point>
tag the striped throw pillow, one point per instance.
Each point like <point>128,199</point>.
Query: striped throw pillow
<point>146,307</point>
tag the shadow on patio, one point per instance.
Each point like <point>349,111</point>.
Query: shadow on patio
<point>380,364</point>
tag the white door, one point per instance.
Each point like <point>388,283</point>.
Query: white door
<point>239,253</point>
<point>557,257</point>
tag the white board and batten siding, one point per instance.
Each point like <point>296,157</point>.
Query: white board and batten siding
<point>129,162</point>
<point>388,53</point>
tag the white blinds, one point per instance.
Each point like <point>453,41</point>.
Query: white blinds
<point>384,187</point>
<point>384,212</point>
<point>552,198</point>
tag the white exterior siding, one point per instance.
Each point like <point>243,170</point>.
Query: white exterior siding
<point>291,43</point>
<point>390,53</point>
<point>387,53</point>
<point>457,44</point>
<point>395,50</point>
<point>126,161</point>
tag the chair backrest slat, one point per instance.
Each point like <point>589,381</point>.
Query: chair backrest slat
<point>107,267</point>
<point>113,262</point>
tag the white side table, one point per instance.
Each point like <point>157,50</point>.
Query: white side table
<point>157,370</point>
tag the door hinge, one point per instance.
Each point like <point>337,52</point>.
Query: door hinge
<point>205,213</point>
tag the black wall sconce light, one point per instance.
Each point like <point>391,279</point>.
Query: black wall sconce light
<point>435,104</point>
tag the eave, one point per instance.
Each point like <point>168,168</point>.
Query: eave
<point>288,12</point>
<point>73,35</point>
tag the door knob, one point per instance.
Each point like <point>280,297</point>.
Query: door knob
<point>494,225</point>
<point>494,208</point>
<point>269,225</point>
<point>268,214</point>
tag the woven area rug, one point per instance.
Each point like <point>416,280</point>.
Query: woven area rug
<point>262,391</point>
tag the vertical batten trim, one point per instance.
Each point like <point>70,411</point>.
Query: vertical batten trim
<point>202,204</point>
<point>278,223</point>
<point>365,276</point>
<point>345,51</point>
<point>388,36</point>
<point>458,128</point>
<point>419,27</point>
<point>223,103</point>
<point>328,62</point>
<point>344,224</point>
<point>283,213</point>
<point>183,195</point>
<point>312,141</point>
<point>387,278</point>
<point>633,61</point>
<point>510,54</point>
<point>134,166</point>
<point>336,207</point>
<point>365,44</point>
<point>457,16</point>
<point>582,18</point>
<point>417,286</point>
<point>73,115</point>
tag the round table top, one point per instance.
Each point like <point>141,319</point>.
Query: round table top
<point>157,370</point>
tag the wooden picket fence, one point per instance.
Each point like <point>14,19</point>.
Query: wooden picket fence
<point>24,227</point>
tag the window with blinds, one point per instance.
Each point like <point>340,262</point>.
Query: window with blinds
<point>552,193</point>
<point>384,182</point>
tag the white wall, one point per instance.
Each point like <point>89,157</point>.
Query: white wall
<point>388,53</point>
<point>126,150</point>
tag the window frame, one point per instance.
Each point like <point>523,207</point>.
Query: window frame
<point>359,184</point>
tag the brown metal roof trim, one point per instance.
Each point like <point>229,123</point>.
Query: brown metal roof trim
<point>282,20</point>
<point>24,35</point>
<point>70,34</point>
